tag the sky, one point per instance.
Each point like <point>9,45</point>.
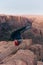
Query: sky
<point>21,7</point>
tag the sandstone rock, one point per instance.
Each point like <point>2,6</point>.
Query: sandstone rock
<point>25,55</point>
<point>37,26</point>
<point>3,43</point>
<point>25,44</point>
<point>38,50</point>
<point>10,23</point>
<point>39,63</point>
<point>15,62</point>
<point>7,48</point>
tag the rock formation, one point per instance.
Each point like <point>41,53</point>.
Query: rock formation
<point>30,49</point>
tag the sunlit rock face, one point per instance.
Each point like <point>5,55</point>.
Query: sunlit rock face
<point>26,53</point>
<point>25,57</point>
<point>37,26</point>
<point>16,62</point>
<point>38,50</point>
<point>39,63</point>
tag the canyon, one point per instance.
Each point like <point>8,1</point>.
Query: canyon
<point>28,30</point>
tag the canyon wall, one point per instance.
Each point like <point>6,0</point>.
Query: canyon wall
<point>9,23</point>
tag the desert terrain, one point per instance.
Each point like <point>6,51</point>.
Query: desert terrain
<point>28,30</point>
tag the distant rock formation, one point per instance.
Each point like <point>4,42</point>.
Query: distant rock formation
<point>10,23</point>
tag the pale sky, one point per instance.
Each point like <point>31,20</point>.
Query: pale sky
<point>21,7</point>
